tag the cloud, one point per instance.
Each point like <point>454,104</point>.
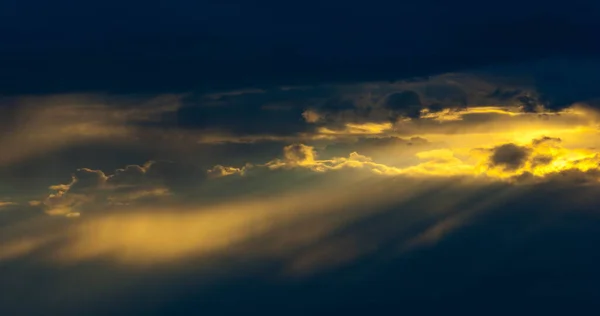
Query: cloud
<point>86,179</point>
<point>541,158</point>
<point>509,156</point>
<point>311,116</point>
<point>450,95</point>
<point>406,102</point>
<point>563,83</point>
<point>223,171</point>
<point>130,175</point>
<point>93,190</point>
<point>299,154</point>
<point>42,124</point>
<point>502,94</point>
<point>383,179</point>
<point>277,115</point>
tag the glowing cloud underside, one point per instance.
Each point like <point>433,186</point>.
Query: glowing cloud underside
<point>541,146</point>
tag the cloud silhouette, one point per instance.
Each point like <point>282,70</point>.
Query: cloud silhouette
<point>510,156</point>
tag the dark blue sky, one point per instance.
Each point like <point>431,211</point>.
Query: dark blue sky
<point>165,46</point>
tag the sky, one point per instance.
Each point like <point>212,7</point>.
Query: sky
<point>314,158</point>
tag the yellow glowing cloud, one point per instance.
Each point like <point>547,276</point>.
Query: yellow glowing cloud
<point>542,157</point>
<point>303,156</point>
<point>538,157</point>
<point>459,114</point>
<point>223,171</point>
<point>311,116</point>
<point>358,129</point>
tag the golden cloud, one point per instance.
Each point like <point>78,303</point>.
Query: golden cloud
<point>505,161</point>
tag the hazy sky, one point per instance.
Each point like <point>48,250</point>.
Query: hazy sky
<point>228,157</point>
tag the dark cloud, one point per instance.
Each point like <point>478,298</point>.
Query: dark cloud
<point>337,105</point>
<point>573,177</point>
<point>504,95</point>
<point>529,104</point>
<point>435,107</point>
<point>545,139</point>
<point>242,120</point>
<point>95,190</point>
<point>179,177</point>
<point>449,95</point>
<point>567,82</point>
<point>130,175</point>
<point>509,156</point>
<point>541,160</point>
<point>564,180</point>
<point>87,179</point>
<point>557,82</point>
<point>407,103</point>
<point>275,111</point>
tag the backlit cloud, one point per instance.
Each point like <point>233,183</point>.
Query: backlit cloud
<point>540,157</point>
<point>92,189</point>
<point>296,183</point>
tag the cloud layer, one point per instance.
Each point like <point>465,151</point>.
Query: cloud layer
<point>423,186</point>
